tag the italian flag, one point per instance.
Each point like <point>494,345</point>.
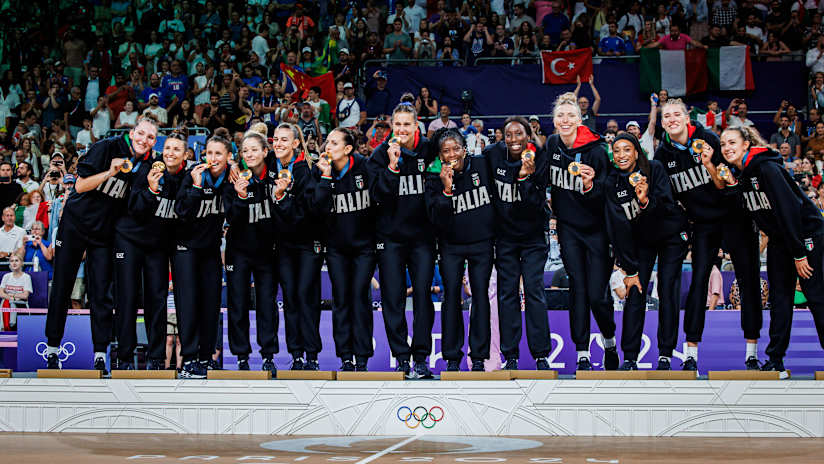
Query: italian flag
<point>680,72</point>
<point>730,68</point>
<point>708,119</point>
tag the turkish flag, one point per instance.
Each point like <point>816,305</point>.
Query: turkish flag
<point>563,67</point>
<point>303,82</point>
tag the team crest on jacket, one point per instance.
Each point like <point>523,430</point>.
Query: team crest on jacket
<point>421,165</point>
<point>476,180</point>
<point>684,236</point>
<point>359,181</point>
<point>317,247</point>
<point>754,181</point>
<point>808,244</point>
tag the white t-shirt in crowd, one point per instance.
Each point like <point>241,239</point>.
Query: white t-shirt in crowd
<point>203,97</point>
<point>648,144</point>
<point>101,123</point>
<point>260,47</point>
<point>11,240</point>
<point>16,285</point>
<point>616,281</point>
<point>84,138</point>
<point>28,185</point>
<point>160,113</point>
<point>127,118</point>
<point>735,121</point>
<point>351,109</point>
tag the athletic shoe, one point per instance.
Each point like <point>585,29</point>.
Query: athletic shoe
<point>663,364</point>
<point>403,366</point>
<point>542,364</point>
<point>611,360</point>
<point>155,365</point>
<point>776,366</point>
<point>477,365</point>
<point>269,365</point>
<point>453,365</point>
<point>629,365</point>
<point>421,371</point>
<point>311,365</point>
<point>211,365</point>
<point>360,364</point>
<point>297,364</point>
<point>100,365</point>
<point>125,366</point>
<point>511,364</point>
<point>53,362</point>
<point>690,364</point>
<point>752,364</point>
<point>193,370</point>
<point>243,364</point>
<point>584,364</point>
<point>347,366</point>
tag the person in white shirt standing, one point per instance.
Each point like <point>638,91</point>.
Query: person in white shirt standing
<point>101,118</point>
<point>11,236</point>
<point>260,44</point>
<point>24,171</point>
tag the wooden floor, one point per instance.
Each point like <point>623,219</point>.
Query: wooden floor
<point>59,448</point>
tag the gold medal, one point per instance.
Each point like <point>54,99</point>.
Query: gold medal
<point>127,166</point>
<point>453,164</point>
<point>284,174</point>
<point>698,146</point>
<point>325,155</point>
<point>574,168</point>
<point>724,172</point>
<point>635,178</point>
<point>394,140</point>
<point>528,155</point>
<point>159,166</point>
<point>246,174</point>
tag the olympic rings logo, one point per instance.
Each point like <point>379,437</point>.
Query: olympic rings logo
<point>426,417</point>
<point>66,350</point>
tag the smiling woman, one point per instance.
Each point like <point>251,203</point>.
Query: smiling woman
<point>102,190</point>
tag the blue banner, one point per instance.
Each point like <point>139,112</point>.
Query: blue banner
<point>76,350</point>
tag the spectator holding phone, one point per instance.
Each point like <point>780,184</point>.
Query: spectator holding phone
<point>37,250</point>
<point>50,185</point>
<point>737,114</point>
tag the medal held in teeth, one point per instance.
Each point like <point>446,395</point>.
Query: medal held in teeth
<point>635,178</point>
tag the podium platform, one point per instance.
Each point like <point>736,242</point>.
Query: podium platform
<point>521,407</point>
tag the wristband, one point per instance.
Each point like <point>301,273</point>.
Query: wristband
<point>644,205</point>
<point>323,176</point>
<point>590,188</point>
<point>801,259</point>
<point>521,179</point>
<point>280,197</point>
<point>394,171</point>
<point>447,194</point>
<point>242,197</point>
<point>197,186</point>
<point>631,276</point>
<point>150,189</point>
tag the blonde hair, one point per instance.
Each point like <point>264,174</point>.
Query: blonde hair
<point>748,134</point>
<point>260,128</point>
<point>253,134</point>
<point>567,98</point>
<point>677,102</point>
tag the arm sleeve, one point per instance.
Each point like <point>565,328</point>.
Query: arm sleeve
<point>188,199</point>
<point>383,183</point>
<point>142,202</point>
<point>785,206</point>
<point>438,205</point>
<point>620,234</point>
<point>660,193</point>
<point>598,160</point>
<point>533,188</point>
<point>94,161</point>
<point>319,199</point>
<point>235,208</point>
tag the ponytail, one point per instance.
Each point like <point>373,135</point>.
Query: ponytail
<point>298,135</point>
<point>748,134</point>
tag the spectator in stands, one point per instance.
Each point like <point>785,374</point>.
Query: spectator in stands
<point>378,98</point>
<point>815,145</point>
<point>814,57</point>
<point>92,85</point>
<point>588,114</point>
<point>478,42</point>
<point>152,88</point>
<point>519,17</point>
<point>774,49</point>
<point>617,288</point>
<point>808,131</point>
<point>50,184</point>
<point>647,139</point>
<point>785,135</point>
<point>351,112</point>
<point>11,236</point>
<point>715,293</point>
<point>675,40</point>
<point>537,134</point>
<point>38,250</point>
<point>15,288</point>
<point>715,38</point>
<point>27,153</point>
<point>118,94</point>
<point>442,121</point>
<point>724,15</point>
<point>101,117</point>
<point>502,44</point>
<point>425,104</point>
<point>24,173</point>
<point>662,20</point>
<point>127,118</point>
<point>741,36</point>
<point>10,191</point>
<point>786,152</point>
<point>554,22</point>
<point>612,44</point>
<point>632,17</point>
<point>377,132</point>
<point>154,109</point>
<point>397,45</point>
<point>737,114</point>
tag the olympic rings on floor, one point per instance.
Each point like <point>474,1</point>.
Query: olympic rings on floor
<point>420,416</point>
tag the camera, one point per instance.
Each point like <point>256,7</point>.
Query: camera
<point>54,175</point>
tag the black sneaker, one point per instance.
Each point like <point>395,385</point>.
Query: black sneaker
<point>477,365</point>
<point>511,364</point>
<point>125,366</point>
<point>542,364</point>
<point>690,364</point>
<point>269,365</point>
<point>403,366</point>
<point>611,360</point>
<point>210,365</point>
<point>53,362</point>
<point>311,365</point>
<point>347,366</point>
<point>776,366</point>
<point>100,365</point>
<point>297,364</point>
<point>584,364</point>
<point>629,365</point>
<point>360,366</point>
<point>752,364</point>
<point>421,371</point>
<point>193,370</point>
<point>243,364</point>
<point>663,364</point>
<point>155,365</point>
<point>453,365</point>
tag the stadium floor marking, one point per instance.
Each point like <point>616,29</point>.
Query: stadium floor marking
<point>388,450</point>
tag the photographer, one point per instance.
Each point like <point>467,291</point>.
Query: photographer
<point>50,185</point>
<point>37,250</point>
<point>737,114</point>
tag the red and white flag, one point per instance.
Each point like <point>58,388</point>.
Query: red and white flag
<point>563,67</point>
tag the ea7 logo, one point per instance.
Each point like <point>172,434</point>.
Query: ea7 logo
<point>58,243</point>
<point>672,164</point>
<point>230,268</point>
<point>622,194</point>
<point>556,156</point>
<point>501,172</point>
<point>182,248</point>
<point>120,255</point>
<point>207,191</point>
<point>379,246</point>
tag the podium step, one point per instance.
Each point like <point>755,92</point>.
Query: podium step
<point>533,375</point>
<point>306,375</point>
<point>469,375</point>
<point>144,374</point>
<point>611,375</point>
<point>69,374</point>
<point>370,376</point>
<point>239,375</point>
<point>744,375</point>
